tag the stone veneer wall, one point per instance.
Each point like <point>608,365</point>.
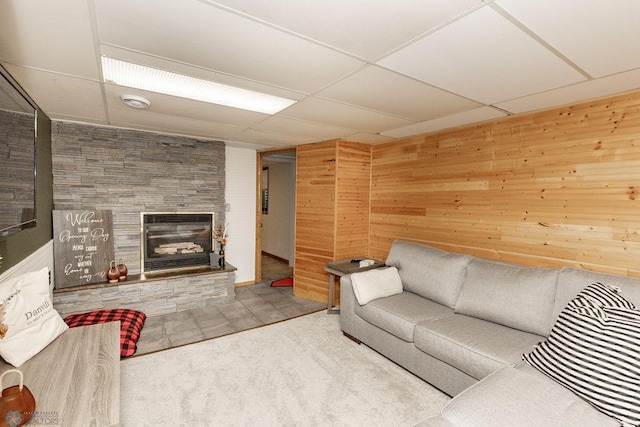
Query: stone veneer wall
<point>152,297</point>
<point>130,172</point>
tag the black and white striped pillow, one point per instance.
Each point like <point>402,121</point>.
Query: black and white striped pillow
<point>594,350</point>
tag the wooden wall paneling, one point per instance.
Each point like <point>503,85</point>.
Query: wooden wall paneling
<point>553,188</point>
<point>352,196</point>
<point>315,218</point>
<point>353,181</point>
<point>332,211</point>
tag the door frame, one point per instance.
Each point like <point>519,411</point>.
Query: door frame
<point>259,165</point>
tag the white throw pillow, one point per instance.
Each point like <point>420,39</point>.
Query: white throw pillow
<point>374,284</point>
<point>28,322</point>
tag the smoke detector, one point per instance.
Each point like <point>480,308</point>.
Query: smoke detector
<point>136,101</point>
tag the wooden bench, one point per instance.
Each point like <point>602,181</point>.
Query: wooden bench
<point>76,379</point>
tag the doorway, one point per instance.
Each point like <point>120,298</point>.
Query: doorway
<point>276,214</point>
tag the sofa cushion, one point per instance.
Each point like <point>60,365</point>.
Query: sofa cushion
<point>474,346</point>
<point>593,350</point>
<point>517,397</point>
<point>398,314</point>
<point>373,284</point>
<point>429,272</point>
<point>515,296</point>
<point>571,281</point>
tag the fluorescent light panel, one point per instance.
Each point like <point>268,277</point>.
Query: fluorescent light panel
<point>154,80</point>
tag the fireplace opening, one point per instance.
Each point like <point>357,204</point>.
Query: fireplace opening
<point>175,241</point>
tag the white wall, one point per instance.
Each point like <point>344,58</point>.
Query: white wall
<point>240,193</point>
<point>278,224</point>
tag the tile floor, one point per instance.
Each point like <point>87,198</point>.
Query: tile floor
<point>255,305</point>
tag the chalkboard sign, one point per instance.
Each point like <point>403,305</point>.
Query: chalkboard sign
<point>82,246</point>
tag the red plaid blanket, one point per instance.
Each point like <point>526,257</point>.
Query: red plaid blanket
<point>131,323</point>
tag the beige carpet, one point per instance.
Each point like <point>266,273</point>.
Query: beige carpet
<point>301,372</point>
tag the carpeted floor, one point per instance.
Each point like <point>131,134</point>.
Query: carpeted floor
<point>300,372</point>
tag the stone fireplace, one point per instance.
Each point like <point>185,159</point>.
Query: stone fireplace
<point>129,172</point>
<point>175,241</point>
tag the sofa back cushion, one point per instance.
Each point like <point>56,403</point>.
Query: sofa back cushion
<point>512,295</point>
<point>429,272</point>
<point>571,281</point>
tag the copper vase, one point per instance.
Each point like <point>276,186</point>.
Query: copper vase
<point>122,269</point>
<point>113,274</point>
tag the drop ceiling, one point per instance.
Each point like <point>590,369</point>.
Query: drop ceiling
<point>362,70</point>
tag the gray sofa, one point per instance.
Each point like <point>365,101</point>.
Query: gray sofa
<point>462,324</point>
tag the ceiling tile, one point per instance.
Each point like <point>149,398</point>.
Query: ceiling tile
<point>460,119</point>
<point>481,57</point>
<point>362,27</point>
<point>600,36</point>
<point>137,119</point>
<point>49,35</point>
<point>438,60</point>
<point>218,40</point>
<point>271,139</point>
<point>342,115</point>
<point>392,93</point>
<point>60,95</point>
<point>368,138</point>
<point>317,131</point>
<point>579,92</point>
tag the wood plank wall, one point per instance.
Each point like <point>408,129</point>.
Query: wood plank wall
<point>315,218</point>
<point>558,187</point>
<point>353,178</point>
<point>332,211</point>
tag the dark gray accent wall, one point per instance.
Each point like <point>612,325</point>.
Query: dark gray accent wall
<point>17,175</point>
<point>129,172</point>
<point>19,246</point>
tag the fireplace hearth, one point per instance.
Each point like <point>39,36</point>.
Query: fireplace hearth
<point>175,241</point>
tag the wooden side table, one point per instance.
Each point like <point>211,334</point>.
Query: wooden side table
<point>342,268</point>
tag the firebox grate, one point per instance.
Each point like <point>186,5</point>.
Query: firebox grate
<point>176,262</point>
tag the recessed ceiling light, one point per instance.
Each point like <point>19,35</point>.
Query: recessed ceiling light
<point>136,101</point>
<point>154,80</point>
